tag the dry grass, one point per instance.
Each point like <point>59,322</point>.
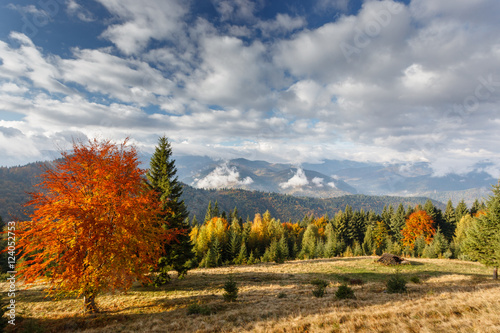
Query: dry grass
<point>453,296</point>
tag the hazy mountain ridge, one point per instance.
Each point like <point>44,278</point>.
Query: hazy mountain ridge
<point>307,180</point>
<point>349,177</point>
<point>288,207</point>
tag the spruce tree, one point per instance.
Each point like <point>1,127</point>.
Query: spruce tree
<point>162,178</point>
<point>450,215</point>
<point>397,224</point>
<point>482,240</point>
<point>461,210</point>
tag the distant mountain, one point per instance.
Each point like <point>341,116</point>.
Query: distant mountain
<point>333,178</point>
<point>288,207</point>
<point>266,177</point>
<point>329,179</point>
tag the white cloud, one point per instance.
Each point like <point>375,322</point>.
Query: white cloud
<point>143,21</point>
<point>422,83</point>
<point>299,179</point>
<point>318,181</point>
<point>283,23</point>
<point>75,9</point>
<point>223,177</point>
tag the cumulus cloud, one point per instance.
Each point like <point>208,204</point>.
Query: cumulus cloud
<point>143,21</point>
<point>75,9</point>
<point>299,179</point>
<point>223,176</point>
<point>388,82</point>
<point>318,181</point>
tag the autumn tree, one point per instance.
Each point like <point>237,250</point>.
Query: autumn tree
<point>94,227</point>
<point>163,180</point>
<point>418,224</point>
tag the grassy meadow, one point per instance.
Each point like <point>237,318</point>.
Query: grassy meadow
<point>445,296</point>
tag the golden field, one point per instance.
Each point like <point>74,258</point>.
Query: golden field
<point>452,296</point>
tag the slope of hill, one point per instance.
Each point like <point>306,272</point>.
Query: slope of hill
<point>288,207</point>
<point>332,178</point>
<point>327,180</point>
<point>15,183</point>
<point>263,176</point>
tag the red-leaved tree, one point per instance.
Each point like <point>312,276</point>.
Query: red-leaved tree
<point>94,226</point>
<point>418,224</point>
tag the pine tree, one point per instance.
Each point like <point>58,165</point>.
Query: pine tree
<point>309,242</point>
<point>208,215</point>
<point>482,241</point>
<point>476,207</point>
<point>368,242</point>
<point>450,216</point>
<point>234,239</point>
<point>242,255</point>
<point>283,250</point>
<point>162,178</point>
<point>461,210</point>
<point>397,224</point>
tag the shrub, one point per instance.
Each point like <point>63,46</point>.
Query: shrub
<point>199,309</point>
<point>356,282</point>
<point>415,279</point>
<point>396,284</point>
<point>320,287</point>
<point>282,295</point>
<point>231,290</point>
<point>344,292</point>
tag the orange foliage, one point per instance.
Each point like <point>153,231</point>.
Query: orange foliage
<point>321,224</point>
<point>293,228</point>
<point>480,213</point>
<point>94,226</point>
<point>418,224</point>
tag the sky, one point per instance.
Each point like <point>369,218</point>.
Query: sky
<point>283,81</point>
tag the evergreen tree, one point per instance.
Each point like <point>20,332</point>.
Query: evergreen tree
<point>356,227</point>
<point>461,210</point>
<point>450,215</point>
<point>368,242</point>
<point>309,242</point>
<point>162,178</point>
<point>476,207</point>
<point>242,255</point>
<point>397,224</point>
<point>481,243</point>
<point>209,213</point>
<point>283,249</point>
<point>234,239</point>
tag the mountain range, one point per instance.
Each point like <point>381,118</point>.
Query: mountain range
<point>289,190</point>
<point>334,178</point>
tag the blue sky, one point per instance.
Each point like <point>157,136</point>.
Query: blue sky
<point>295,81</point>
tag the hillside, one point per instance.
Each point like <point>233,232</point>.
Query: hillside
<point>16,182</point>
<point>288,207</point>
<point>334,178</point>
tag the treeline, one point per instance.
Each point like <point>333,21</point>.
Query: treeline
<point>224,238</point>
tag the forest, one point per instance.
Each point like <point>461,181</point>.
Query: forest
<point>224,238</point>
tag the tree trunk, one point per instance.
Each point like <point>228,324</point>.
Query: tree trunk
<point>495,273</point>
<point>89,305</point>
